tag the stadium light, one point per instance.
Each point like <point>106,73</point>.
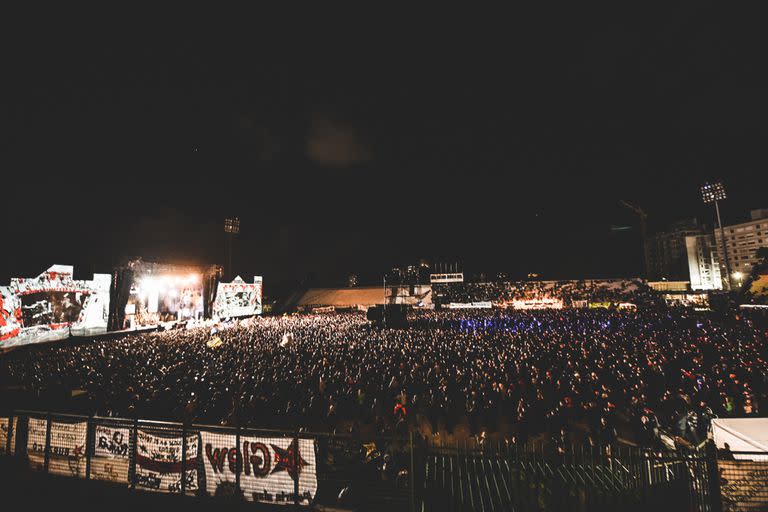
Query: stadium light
<point>232,225</point>
<point>712,193</point>
<point>231,228</point>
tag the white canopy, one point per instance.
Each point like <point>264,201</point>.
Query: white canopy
<point>742,435</point>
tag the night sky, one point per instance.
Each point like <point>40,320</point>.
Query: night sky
<point>504,145</point>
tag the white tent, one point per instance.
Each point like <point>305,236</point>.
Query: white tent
<point>742,435</point>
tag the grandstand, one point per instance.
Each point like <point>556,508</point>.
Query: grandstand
<point>342,298</point>
<point>517,294</point>
<point>572,293</point>
<point>365,297</point>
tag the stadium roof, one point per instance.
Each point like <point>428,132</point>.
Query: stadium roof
<point>343,297</point>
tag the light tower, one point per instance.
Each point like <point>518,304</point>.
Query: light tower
<point>231,228</point>
<point>643,235</point>
<point>712,193</point>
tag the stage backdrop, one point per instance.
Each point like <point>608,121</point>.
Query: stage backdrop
<point>238,298</point>
<point>50,306</point>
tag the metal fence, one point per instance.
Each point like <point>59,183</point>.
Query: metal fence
<point>225,463</point>
<point>744,481</point>
<point>492,477</point>
<point>353,471</point>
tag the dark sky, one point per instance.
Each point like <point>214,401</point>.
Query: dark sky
<point>502,143</point>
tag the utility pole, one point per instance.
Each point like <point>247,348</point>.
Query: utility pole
<point>643,234</point>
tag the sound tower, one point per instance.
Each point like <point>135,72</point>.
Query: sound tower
<point>390,316</point>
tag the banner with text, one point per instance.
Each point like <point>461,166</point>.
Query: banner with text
<point>470,305</point>
<point>111,454</point>
<point>159,463</point>
<point>4,429</point>
<point>271,467</point>
<point>67,447</point>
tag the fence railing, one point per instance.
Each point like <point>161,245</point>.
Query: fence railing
<point>744,481</point>
<point>379,473</point>
<point>242,464</point>
<point>498,476</point>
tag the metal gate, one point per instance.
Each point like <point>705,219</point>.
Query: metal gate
<point>500,477</point>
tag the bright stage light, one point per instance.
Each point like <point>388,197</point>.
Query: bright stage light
<point>193,278</point>
<point>149,284</point>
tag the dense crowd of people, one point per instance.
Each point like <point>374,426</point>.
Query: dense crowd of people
<point>569,292</point>
<point>594,374</point>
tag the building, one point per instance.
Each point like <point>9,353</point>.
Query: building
<point>742,242</point>
<point>679,293</point>
<point>666,250</point>
<point>703,262</point>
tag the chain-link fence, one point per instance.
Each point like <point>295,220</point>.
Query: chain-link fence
<point>743,481</point>
<point>266,467</point>
<point>111,450</point>
<point>369,472</point>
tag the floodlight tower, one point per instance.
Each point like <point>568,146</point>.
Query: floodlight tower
<point>231,228</point>
<point>643,234</point>
<point>712,193</point>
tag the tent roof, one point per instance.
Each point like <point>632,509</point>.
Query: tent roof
<point>750,434</point>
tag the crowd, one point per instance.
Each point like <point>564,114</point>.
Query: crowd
<point>566,373</point>
<point>570,292</point>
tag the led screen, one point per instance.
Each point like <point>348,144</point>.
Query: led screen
<point>52,306</point>
<point>238,298</point>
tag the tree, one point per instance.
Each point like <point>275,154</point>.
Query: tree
<point>759,273</point>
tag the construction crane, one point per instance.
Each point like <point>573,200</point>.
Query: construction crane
<point>643,234</point>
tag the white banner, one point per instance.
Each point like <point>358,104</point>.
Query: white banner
<point>36,442</point>
<point>470,305</point>
<point>270,469</point>
<point>159,463</point>
<point>455,277</point>
<point>67,450</point>
<point>111,454</point>
<point>544,303</point>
